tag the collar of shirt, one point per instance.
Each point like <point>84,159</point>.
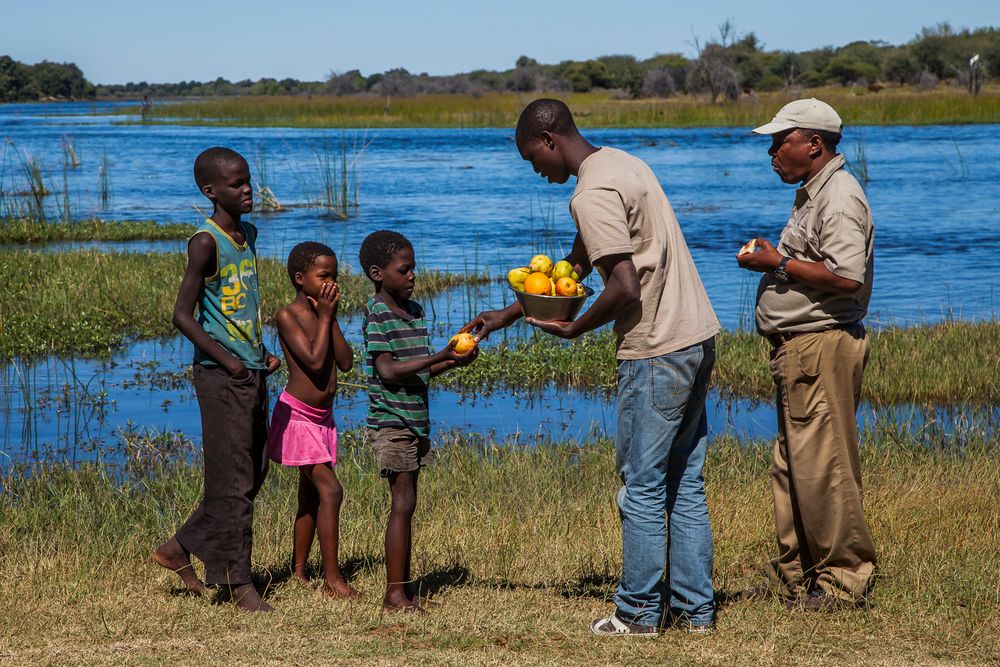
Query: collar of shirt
<point>816,183</point>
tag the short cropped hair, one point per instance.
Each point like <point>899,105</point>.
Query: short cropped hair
<point>545,115</point>
<point>829,139</point>
<point>210,162</point>
<point>379,247</point>
<point>302,257</point>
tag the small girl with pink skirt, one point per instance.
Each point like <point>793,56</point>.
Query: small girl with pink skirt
<point>303,433</point>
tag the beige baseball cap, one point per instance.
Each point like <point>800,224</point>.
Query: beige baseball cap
<point>810,114</point>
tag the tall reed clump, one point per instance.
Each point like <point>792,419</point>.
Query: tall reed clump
<point>69,151</point>
<point>266,199</point>
<point>520,546</point>
<point>340,175</point>
<point>104,181</point>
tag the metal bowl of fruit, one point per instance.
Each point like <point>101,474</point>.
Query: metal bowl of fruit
<point>551,308</point>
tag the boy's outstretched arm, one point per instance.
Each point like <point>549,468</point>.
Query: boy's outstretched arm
<point>394,370</point>
<point>312,355</point>
<point>201,265</point>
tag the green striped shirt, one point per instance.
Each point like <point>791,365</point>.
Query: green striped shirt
<point>402,404</point>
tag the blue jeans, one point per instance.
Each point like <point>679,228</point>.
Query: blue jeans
<point>660,449</point>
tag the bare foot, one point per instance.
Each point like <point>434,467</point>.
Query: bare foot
<point>338,588</point>
<point>247,598</point>
<point>174,557</point>
<point>401,603</point>
<point>301,578</point>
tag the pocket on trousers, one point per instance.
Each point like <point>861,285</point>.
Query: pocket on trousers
<point>804,384</point>
<point>242,382</point>
<point>672,379</point>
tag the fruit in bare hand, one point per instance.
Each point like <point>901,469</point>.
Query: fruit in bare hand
<point>516,277</point>
<point>463,342</point>
<point>537,283</point>
<point>749,247</point>
<point>566,286</point>
<point>541,264</point>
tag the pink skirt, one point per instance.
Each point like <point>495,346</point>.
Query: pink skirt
<point>301,434</point>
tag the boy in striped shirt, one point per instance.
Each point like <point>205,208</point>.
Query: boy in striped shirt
<point>399,365</point>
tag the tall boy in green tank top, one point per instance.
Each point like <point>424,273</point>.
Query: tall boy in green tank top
<point>230,364</point>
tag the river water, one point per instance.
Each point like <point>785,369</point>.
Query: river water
<point>468,202</point>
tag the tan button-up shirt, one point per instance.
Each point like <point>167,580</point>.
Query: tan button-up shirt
<point>830,223</point>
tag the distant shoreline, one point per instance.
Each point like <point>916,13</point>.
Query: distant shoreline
<point>903,105</point>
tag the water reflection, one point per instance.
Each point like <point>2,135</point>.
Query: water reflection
<point>77,410</point>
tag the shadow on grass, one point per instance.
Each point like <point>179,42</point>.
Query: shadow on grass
<point>437,580</point>
<point>267,580</point>
<point>597,586</point>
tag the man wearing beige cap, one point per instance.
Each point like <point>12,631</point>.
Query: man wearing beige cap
<point>812,297</point>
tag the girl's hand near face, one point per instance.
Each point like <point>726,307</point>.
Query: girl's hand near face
<point>325,303</point>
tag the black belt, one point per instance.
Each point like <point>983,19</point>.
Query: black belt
<point>780,338</point>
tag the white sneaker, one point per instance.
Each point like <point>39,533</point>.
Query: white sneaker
<point>614,625</point>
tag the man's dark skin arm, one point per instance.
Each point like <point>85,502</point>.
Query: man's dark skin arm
<point>813,274</point>
<point>201,265</point>
<point>620,293</point>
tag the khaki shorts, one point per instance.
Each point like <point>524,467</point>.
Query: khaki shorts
<point>399,450</point>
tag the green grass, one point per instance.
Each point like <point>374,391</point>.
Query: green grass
<point>32,230</point>
<point>89,302</point>
<point>521,548</point>
<point>893,106</point>
<point>950,363</point>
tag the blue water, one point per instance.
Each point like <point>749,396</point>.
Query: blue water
<point>469,202</point>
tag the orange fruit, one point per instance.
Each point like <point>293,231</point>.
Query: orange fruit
<point>566,286</point>
<point>463,342</point>
<point>537,283</point>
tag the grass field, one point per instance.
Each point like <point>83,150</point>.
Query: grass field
<point>892,106</point>
<point>948,363</point>
<point>32,230</point>
<point>519,546</point>
<point>90,302</point>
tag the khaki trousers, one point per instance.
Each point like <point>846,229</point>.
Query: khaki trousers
<point>816,474</point>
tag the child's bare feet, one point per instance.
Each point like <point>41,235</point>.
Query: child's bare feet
<point>338,588</point>
<point>399,602</point>
<point>301,578</point>
<point>174,557</point>
<point>247,598</point>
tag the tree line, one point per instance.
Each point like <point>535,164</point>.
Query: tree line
<point>45,80</point>
<point>725,66</point>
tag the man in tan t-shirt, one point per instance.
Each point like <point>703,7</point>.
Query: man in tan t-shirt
<point>810,303</point>
<point>665,328</point>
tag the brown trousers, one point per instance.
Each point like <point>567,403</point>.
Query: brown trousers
<point>816,475</point>
<point>234,440</point>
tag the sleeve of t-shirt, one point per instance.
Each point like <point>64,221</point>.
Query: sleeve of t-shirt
<point>378,340</point>
<point>843,243</point>
<point>600,218</point>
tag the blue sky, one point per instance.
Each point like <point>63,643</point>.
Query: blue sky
<point>116,41</point>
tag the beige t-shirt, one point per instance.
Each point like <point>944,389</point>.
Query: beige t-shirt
<point>619,207</point>
<point>830,223</point>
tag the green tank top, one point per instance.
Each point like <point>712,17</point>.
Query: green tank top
<point>229,301</point>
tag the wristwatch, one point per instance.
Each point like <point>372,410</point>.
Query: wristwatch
<point>780,273</point>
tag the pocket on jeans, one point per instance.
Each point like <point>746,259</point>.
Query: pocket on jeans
<point>671,380</point>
